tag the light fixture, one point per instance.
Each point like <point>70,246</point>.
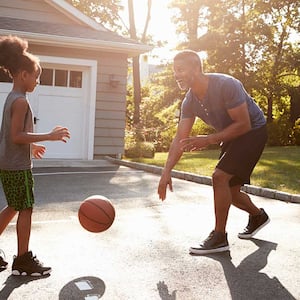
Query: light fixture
<point>113,82</point>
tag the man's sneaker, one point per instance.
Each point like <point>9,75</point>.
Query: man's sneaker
<point>255,224</point>
<point>29,265</point>
<point>216,242</point>
<point>3,263</point>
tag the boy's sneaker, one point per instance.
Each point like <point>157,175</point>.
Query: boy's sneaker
<point>29,265</point>
<point>216,242</point>
<point>255,224</point>
<point>3,263</point>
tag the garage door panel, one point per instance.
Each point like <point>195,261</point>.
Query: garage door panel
<point>62,111</point>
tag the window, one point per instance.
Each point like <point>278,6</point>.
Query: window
<point>61,78</point>
<point>75,79</point>
<point>46,77</point>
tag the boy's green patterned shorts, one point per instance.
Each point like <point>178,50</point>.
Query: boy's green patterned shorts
<point>18,188</point>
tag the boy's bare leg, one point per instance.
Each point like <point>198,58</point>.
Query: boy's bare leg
<point>23,230</point>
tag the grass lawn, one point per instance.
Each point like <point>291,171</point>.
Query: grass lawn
<point>278,168</point>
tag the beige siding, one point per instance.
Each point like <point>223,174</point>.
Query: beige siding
<point>102,123</point>
<point>110,101</point>
<point>35,10</point>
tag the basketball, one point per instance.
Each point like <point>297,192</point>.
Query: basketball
<point>96,213</point>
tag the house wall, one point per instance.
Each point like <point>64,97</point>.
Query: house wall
<point>35,10</point>
<point>110,115</point>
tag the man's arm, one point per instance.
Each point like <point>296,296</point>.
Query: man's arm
<point>175,152</point>
<point>240,125</point>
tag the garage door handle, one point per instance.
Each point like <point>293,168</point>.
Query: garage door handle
<point>35,119</point>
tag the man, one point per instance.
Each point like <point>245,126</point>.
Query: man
<point>222,102</point>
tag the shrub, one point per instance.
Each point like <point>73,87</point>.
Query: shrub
<point>296,131</point>
<point>280,132</point>
<point>140,149</point>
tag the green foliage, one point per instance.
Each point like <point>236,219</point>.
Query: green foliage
<point>106,12</point>
<point>280,132</point>
<point>201,128</point>
<point>255,41</point>
<point>136,144</point>
<point>296,130</point>
<point>140,149</point>
<point>159,105</point>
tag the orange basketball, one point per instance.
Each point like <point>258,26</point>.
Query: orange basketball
<point>96,213</point>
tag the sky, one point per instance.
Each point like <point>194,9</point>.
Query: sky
<point>160,26</point>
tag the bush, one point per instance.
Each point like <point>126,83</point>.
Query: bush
<point>140,149</point>
<point>296,131</point>
<point>280,132</point>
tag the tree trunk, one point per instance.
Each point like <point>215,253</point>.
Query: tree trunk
<point>135,67</point>
<point>295,104</point>
<point>270,110</point>
<point>136,89</point>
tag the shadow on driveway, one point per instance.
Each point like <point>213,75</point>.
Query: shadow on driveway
<point>245,281</point>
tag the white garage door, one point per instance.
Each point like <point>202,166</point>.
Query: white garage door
<point>63,98</point>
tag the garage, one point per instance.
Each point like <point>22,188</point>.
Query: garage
<point>84,80</point>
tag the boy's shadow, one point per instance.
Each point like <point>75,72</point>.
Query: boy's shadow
<point>164,293</point>
<point>246,281</point>
<point>13,282</point>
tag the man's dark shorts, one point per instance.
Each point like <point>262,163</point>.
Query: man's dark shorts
<point>239,156</point>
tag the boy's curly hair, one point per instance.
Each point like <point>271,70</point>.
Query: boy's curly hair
<point>14,56</point>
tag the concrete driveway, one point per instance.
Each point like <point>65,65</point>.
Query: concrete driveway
<point>144,255</point>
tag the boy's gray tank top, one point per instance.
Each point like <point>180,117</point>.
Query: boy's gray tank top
<point>14,156</point>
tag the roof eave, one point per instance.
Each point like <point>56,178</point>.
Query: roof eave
<point>130,49</point>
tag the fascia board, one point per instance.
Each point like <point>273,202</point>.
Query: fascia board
<point>79,43</point>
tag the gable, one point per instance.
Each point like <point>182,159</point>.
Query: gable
<point>34,10</point>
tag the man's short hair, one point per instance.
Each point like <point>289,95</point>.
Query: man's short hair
<point>191,57</point>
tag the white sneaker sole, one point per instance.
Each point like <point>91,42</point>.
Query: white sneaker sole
<point>250,235</point>
<point>208,251</point>
<point>18,273</point>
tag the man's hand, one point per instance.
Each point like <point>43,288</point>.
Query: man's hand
<point>194,143</point>
<point>165,181</point>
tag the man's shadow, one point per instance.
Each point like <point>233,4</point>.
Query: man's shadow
<point>13,282</point>
<point>246,281</point>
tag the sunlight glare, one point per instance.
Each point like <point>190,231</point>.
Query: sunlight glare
<point>160,26</point>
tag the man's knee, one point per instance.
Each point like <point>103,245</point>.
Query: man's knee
<point>220,177</point>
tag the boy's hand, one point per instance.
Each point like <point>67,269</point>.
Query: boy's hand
<point>38,150</point>
<point>60,133</point>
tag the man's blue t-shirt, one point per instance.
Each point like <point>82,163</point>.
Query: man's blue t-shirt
<point>224,92</point>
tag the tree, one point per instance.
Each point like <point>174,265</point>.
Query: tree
<point>188,20</point>
<point>105,12</point>
<point>217,27</point>
<point>248,39</point>
<point>282,19</point>
<point>136,59</point>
